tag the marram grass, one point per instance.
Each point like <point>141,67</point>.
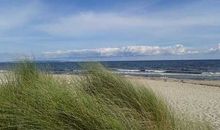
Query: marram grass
<point>97,100</point>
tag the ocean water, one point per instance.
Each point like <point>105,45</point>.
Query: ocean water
<point>179,69</point>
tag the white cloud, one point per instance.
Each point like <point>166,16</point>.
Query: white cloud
<point>91,23</point>
<point>107,51</point>
<point>156,50</point>
<point>215,49</point>
<point>123,51</point>
<point>99,52</point>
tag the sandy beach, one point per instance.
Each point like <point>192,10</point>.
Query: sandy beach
<point>196,99</point>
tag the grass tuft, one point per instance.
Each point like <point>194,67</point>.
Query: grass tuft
<point>97,100</point>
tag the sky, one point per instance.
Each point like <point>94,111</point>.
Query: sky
<point>72,30</point>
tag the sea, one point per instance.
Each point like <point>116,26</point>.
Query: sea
<point>178,69</point>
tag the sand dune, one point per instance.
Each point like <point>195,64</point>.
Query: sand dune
<point>196,99</point>
<point>193,98</point>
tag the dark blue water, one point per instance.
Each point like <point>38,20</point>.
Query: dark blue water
<point>190,69</point>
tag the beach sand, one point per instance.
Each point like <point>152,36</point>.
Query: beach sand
<point>195,99</point>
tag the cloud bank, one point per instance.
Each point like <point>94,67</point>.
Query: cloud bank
<point>174,52</point>
<point>130,51</point>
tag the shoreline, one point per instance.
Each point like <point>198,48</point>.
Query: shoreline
<point>211,83</point>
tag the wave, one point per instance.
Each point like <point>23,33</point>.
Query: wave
<point>211,73</point>
<point>169,73</point>
<point>127,70</point>
<point>157,71</point>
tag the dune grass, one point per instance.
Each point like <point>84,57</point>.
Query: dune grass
<point>97,100</point>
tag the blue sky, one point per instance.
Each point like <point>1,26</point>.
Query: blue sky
<point>109,29</point>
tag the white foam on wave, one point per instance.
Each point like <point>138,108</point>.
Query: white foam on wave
<point>155,71</point>
<point>162,73</point>
<point>128,70</point>
<point>211,73</point>
<point>140,72</point>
